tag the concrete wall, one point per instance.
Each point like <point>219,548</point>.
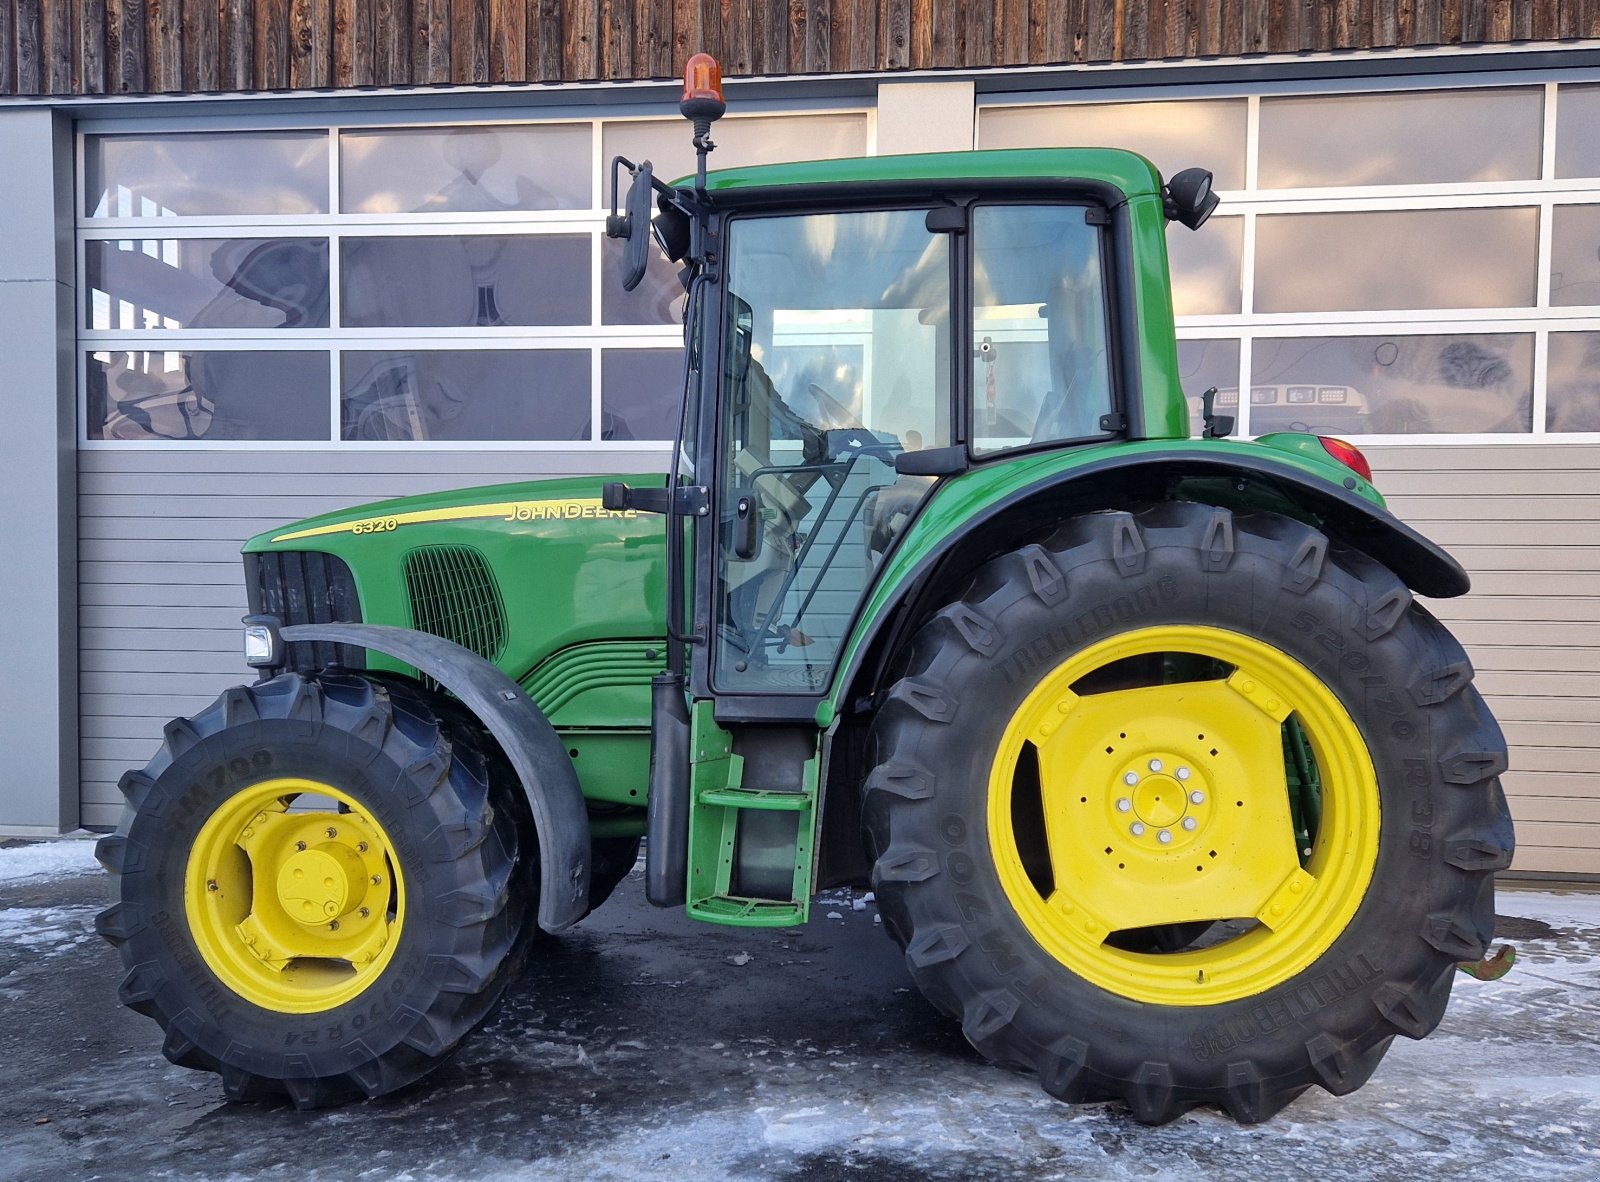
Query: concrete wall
<point>38,500</point>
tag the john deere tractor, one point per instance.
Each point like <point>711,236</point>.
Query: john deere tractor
<point>1168,788</point>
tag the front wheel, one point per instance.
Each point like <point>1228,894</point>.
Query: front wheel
<point>1185,807</point>
<point>318,894</point>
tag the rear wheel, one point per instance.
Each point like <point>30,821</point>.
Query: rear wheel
<point>318,892</point>
<point>1186,807</point>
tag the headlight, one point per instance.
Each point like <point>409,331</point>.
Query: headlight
<point>1263,395</point>
<point>1302,394</point>
<point>263,647</point>
<point>1333,394</point>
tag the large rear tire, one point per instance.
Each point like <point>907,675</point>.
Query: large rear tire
<point>1100,853</point>
<point>319,895</point>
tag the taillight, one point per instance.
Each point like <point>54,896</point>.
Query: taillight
<point>1347,454</point>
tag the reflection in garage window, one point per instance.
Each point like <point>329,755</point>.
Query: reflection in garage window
<point>198,173</point>
<point>1203,364</point>
<point>465,394</point>
<point>221,394</point>
<point>478,281</point>
<point>173,283</point>
<point>639,391</point>
<point>1205,268</point>
<point>1575,255</point>
<point>1433,258</point>
<point>465,169</point>
<point>1574,382</point>
<point>1402,385</point>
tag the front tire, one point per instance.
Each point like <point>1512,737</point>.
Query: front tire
<point>1100,852</point>
<point>318,894</point>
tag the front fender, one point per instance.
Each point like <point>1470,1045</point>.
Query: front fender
<point>523,732</point>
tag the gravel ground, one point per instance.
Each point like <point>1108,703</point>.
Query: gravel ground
<point>642,1045</point>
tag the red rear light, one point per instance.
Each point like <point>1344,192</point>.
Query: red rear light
<point>1347,454</point>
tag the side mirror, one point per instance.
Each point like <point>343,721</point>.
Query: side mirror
<point>634,224</point>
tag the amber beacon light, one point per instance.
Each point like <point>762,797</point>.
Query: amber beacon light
<point>702,92</point>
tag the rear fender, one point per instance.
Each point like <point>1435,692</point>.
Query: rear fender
<point>948,547</point>
<point>524,734</point>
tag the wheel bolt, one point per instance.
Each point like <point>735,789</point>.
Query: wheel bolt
<point>1164,837</point>
<point>1183,773</point>
<point>334,926</point>
<point>361,847</point>
<point>366,912</point>
<point>1197,797</point>
<point>299,845</point>
<point>1131,779</point>
<point>1137,829</point>
<point>1155,765</point>
<point>1124,805</point>
<point>211,884</point>
<point>377,879</point>
<point>1190,824</point>
<point>332,832</point>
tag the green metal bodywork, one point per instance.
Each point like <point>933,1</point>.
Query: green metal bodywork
<point>584,589</point>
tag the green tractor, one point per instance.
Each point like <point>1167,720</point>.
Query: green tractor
<point>1167,787</point>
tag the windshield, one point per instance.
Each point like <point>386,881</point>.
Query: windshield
<point>839,360</point>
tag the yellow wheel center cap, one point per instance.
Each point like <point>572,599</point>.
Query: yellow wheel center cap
<point>316,885</point>
<point>1158,801</point>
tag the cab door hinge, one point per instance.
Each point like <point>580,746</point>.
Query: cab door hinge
<point>1114,422</point>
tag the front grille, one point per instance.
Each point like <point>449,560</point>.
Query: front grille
<point>305,587</point>
<point>454,596</point>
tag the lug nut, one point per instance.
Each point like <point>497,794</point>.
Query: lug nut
<point>1155,765</point>
<point>366,912</point>
<point>1197,797</point>
<point>1137,829</point>
<point>361,847</point>
<point>1183,773</point>
<point>1190,824</point>
<point>334,926</point>
<point>299,845</point>
<point>332,832</point>
<point>1131,779</point>
<point>377,879</point>
<point>1124,805</point>
<point>1164,837</point>
<point>211,884</point>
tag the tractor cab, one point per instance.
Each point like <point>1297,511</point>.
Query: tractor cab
<point>855,332</point>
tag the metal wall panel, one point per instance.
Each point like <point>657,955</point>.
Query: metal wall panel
<point>162,585</point>
<point>1525,521</point>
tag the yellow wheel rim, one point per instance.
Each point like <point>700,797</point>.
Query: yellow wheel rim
<point>1169,804</point>
<point>294,896</point>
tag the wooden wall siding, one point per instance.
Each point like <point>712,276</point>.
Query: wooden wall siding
<point>155,46</point>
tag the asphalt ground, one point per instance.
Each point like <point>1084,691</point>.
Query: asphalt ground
<point>642,1045</point>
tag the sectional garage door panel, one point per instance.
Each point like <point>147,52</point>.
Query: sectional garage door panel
<point>1525,521</point>
<point>161,585</point>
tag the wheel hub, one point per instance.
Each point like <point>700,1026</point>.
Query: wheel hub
<point>1160,792</point>
<point>296,911</point>
<point>316,885</point>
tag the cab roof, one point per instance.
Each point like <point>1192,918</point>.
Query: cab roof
<point>1131,173</point>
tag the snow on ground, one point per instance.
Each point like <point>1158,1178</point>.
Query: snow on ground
<point>48,859</point>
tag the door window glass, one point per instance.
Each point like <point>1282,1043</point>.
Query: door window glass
<point>838,360</point>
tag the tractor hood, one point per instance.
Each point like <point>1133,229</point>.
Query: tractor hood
<point>542,559</point>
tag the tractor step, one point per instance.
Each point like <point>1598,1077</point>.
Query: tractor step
<point>750,849</point>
